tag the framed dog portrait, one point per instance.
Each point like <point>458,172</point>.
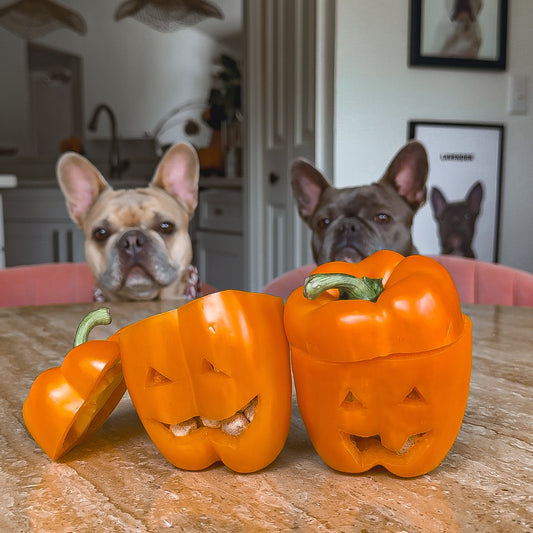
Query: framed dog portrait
<point>462,212</point>
<point>459,33</point>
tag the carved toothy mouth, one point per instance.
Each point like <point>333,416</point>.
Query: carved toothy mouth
<point>364,444</point>
<point>233,425</point>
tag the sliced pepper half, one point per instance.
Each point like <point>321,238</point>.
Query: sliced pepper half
<point>66,404</point>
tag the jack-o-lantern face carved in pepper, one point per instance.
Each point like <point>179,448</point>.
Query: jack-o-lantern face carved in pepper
<point>211,380</point>
<point>391,385</point>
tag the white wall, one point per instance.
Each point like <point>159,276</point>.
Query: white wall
<point>139,72</point>
<point>377,94</point>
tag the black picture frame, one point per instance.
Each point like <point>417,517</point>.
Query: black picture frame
<point>460,156</point>
<point>430,28</point>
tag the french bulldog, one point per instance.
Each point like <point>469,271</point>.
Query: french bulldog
<point>136,240</point>
<point>349,224</point>
<point>457,220</point>
<point>462,35</point>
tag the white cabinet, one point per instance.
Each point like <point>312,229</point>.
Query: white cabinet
<point>38,228</point>
<point>218,238</point>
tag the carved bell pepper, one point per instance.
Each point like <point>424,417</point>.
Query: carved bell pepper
<point>211,380</point>
<point>382,380</point>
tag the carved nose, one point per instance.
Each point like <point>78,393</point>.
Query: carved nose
<point>132,242</point>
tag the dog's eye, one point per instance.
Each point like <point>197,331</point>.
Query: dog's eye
<point>324,223</point>
<point>382,218</point>
<point>166,228</point>
<point>100,234</point>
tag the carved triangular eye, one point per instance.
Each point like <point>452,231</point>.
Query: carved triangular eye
<point>414,395</point>
<point>350,400</point>
<point>208,366</point>
<point>154,378</point>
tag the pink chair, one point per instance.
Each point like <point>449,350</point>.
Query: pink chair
<point>480,282</point>
<point>477,281</point>
<point>283,285</point>
<point>52,283</point>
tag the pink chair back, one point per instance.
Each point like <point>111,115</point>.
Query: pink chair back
<point>480,282</point>
<point>477,282</point>
<point>50,283</point>
<point>283,285</point>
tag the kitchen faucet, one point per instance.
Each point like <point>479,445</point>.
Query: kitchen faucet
<point>116,165</point>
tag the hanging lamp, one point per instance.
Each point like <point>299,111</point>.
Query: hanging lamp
<point>31,19</point>
<point>168,15</point>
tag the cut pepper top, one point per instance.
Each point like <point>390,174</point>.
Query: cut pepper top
<point>417,311</point>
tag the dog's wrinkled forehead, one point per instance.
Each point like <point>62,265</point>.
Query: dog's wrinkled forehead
<point>128,208</point>
<point>352,201</point>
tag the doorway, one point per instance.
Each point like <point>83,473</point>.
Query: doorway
<point>55,98</point>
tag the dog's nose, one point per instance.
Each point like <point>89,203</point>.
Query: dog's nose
<point>132,242</point>
<point>347,227</point>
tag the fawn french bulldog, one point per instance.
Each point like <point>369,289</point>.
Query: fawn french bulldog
<point>137,242</point>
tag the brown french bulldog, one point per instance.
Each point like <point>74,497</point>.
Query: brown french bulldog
<point>352,223</point>
<point>137,242</point>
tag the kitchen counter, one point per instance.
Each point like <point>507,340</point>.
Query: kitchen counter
<point>8,181</point>
<point>118,481</point>
<point>41,173</point>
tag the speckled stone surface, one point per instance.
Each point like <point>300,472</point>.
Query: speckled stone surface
<point>118,481</point>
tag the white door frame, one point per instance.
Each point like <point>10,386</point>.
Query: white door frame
<point>253,98</point>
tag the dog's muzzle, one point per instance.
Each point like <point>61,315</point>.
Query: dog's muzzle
<point>137,263</point>
<point>349,242</point>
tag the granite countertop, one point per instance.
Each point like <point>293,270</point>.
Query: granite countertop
<point>118,481</point>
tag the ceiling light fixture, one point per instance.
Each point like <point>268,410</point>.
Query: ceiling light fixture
<point>31,19</point>
<point>168,15</point>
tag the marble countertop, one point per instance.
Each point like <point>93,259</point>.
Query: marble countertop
<point>118,481</point>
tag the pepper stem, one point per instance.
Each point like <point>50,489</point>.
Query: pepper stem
<point>98,317</point>
<point>350,287</point>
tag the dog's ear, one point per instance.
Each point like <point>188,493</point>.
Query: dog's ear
<point>81,183</point>
<point>408,172</point>
<point>307,184</point>
<point>438,201</point>
<point>474,197</point>
<point>178,174</point>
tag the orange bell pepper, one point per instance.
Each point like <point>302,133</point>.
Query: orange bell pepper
<point>211,380</point>
<point>382,380</point>
<point>66,404</point>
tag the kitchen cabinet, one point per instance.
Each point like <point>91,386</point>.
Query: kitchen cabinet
<point>7,181</point>
<point>38,228</point>
<point>219,242</point>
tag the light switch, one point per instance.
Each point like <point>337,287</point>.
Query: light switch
<point>517,94</point>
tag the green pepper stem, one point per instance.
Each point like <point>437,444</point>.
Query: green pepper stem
<point>98,317</point>
<point>350,287</point>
